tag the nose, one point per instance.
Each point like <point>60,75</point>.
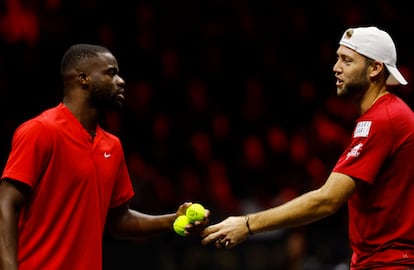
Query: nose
<point>120,81</point>
<point>335,67</point>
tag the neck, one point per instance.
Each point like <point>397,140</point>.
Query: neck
<point>87,116</point>
<point>370,97</point>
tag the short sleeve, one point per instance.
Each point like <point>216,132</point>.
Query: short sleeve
<point>30,153</point>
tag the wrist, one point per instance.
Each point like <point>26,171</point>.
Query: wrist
<point>173,217</point>
<point>247,218</point>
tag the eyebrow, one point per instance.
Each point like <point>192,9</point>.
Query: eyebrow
<point>112,69</point>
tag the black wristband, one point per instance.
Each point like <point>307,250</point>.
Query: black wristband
<point>248,226</point>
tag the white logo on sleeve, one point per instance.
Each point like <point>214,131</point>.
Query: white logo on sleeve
<point>355,151</point>
<point>362,129</point>
<point>106,155</point>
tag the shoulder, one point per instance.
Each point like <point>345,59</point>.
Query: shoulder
<point>390,116</point>
<point>398,114</point>
<point>396,103</point>
<point>34,125</point>
<point>40,125</point>
<point>389,108</point>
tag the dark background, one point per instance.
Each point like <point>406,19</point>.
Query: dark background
<point>229,103</point>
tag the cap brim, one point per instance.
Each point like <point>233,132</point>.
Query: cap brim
<point>395,77</point>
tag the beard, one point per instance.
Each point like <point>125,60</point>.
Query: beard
<point>105,99</point>
<point>356,88</point>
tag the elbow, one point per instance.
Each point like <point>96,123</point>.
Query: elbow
<point>117,233</point>
<point>112,231</point>
<point>331,208</point>
<point>115,229</point>
<point>117,222</point>
<point>329,205</point>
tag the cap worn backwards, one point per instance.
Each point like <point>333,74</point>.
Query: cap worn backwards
<point>377,45</point>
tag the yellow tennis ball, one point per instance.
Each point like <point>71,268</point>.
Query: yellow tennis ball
<point>195,212</point>
<point>180,223</point>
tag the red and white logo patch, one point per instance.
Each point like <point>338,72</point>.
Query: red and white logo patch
<point>355,151</point>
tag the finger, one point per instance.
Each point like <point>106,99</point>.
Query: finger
<point>201,222</point>
<point>182,208</point>
<point>205,218</point>
<point>225,243</point>
<point>209,230</point>
<point>219,243</point>
<point>211,238</point>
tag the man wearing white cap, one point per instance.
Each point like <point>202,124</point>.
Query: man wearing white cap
<point>374,175</point>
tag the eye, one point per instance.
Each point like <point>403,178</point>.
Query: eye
<point>112,72</point>
<point>346,60</point>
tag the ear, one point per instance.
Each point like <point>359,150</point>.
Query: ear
<point>83,79</point>
<point>376,68</point>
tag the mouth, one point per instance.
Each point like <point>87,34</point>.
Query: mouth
<point>339,82</point>
<point>121,93</point>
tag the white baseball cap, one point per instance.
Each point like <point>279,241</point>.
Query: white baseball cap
<point>377,45</point>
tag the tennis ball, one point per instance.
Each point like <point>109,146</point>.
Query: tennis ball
<point>180,223</point>
<point>195,212</point>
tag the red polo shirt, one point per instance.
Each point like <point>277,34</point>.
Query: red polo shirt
<point>74,180</point>
<point>381,212</point>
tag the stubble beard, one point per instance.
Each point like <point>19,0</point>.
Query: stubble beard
<point>355,89</point>
<point>104,99</point>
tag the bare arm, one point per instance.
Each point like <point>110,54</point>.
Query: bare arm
<point>307,208</point>
<point>125,223</point>
<point>12,197</point>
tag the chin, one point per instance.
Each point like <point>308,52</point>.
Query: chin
<point>110,107</point>
<point>115,107</point>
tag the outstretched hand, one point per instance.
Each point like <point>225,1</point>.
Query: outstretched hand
<point>195,228</point>
<point>228,233</point>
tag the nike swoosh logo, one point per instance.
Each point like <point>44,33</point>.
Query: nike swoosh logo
<point>106,155</point>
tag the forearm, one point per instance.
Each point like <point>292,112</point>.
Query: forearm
<point>136,224</point>
<point>302,210</point>
<point>8,239</point>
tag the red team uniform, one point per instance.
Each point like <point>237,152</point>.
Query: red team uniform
<point>74,179</point>
<point>381,155</point>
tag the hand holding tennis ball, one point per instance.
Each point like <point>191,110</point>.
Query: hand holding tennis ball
<point>195,212</point>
